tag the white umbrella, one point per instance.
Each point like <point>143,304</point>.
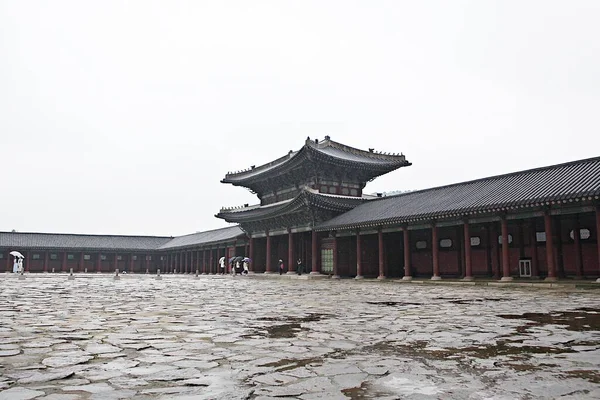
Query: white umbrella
<point>16,254</point>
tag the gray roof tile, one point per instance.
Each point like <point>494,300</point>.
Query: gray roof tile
<point>17,240</point>
<point>560,182</point>
<point>204,238</point>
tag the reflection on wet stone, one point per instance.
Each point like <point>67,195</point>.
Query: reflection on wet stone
<point>181,338</point>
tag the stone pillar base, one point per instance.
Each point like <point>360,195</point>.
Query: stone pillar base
<point>359,277</point>
<point>598,280</point>
<point>506,279</point>
<point>291,273</point>
<point>314,273</point>
<point>269,272</point>
<point>436,278</point>
<point>335,277</point>
<point>382,277</point>
<point>407,278</point>
<point>468,279</point>
<point>551,279</point>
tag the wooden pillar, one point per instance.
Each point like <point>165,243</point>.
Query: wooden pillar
<point>549,247</point>
<point>116,263</point>
<point>204,261</point>
<point>210,263</point>
<point>505,251</point>
<point>435,253</point>
<point>81,262</point>
<point>251,252</point>
<point>186,256</point>
<point>577,248</point>
<point>598,236</point>
<point>358,256</point>
<point>45,261</point>
<point>27,260</point>
<point>406,237</point>
<point>534,250</point>
<point>291,261</point>
<point>268,264</point>
<point>381,254</point>
<point>314,250</point>
<point>147,263</point>
<point>63,266</point>
<point>336,274</point>
<point>467,242</point>
<point>8,264</point>
<point>131,271</point>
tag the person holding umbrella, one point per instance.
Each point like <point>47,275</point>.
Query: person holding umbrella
<point>222,265</point>
<point>18,264</point>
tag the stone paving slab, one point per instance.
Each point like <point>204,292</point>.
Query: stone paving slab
<point>244,338</point>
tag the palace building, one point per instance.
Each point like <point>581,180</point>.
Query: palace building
<point>539,223</point>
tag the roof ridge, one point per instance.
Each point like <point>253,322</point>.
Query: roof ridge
<point>211,230</point>
<point>89,234</point>
<point>487,178</point>
<point>371,153</point>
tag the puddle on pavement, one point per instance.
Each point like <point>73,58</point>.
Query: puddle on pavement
<point>289,329</point>
<point>365,391</point>
<point>287,364</point>
<point>581,319</point>
<point>392,303</point>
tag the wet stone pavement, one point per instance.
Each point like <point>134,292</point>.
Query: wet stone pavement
<point>247,338</point>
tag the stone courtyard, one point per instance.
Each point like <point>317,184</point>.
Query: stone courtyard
<point>215,337</point>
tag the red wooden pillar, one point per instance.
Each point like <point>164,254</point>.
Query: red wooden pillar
<point>505,251</point>
<point>81,261</point>
<point>290,252</point>
<point>358,256</point>
<point>27,261</point>
<point>251,254</point>
<point>99,263</point>
<point>314,254</point>
<point>203,261</point>
<point>577,248</point>
<point>435,253</point>
<point>8,266</point>
<point>598,236</point>
<point>268,266</point>
<point>210,263</point>
<point>406,237</point>
<point>534,251</point>
<point>185,255</point>
<point>63,266</point>
<point>468,265</point>
<point>336,273</point>
<point>381,254</point>
<point>116,263</point>
<point>549,247</point>
<point>131,271</point>
<point>46,261</point>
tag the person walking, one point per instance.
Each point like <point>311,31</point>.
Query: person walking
<point>300,267</point>
<point>16,266</point>
<point>281,266</point>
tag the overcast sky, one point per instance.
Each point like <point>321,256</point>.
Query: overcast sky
<point>122,117</point>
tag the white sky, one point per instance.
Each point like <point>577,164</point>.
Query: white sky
<point>123,116</point>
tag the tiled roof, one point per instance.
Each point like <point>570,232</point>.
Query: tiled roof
<point>326,148</point>
<point>305,198</point>
<point>566,182</point>
<point>204,238</point>
<point>17,240</point>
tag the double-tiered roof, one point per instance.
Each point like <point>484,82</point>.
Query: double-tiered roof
<point>316,159</point>
<point>321,180</point>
